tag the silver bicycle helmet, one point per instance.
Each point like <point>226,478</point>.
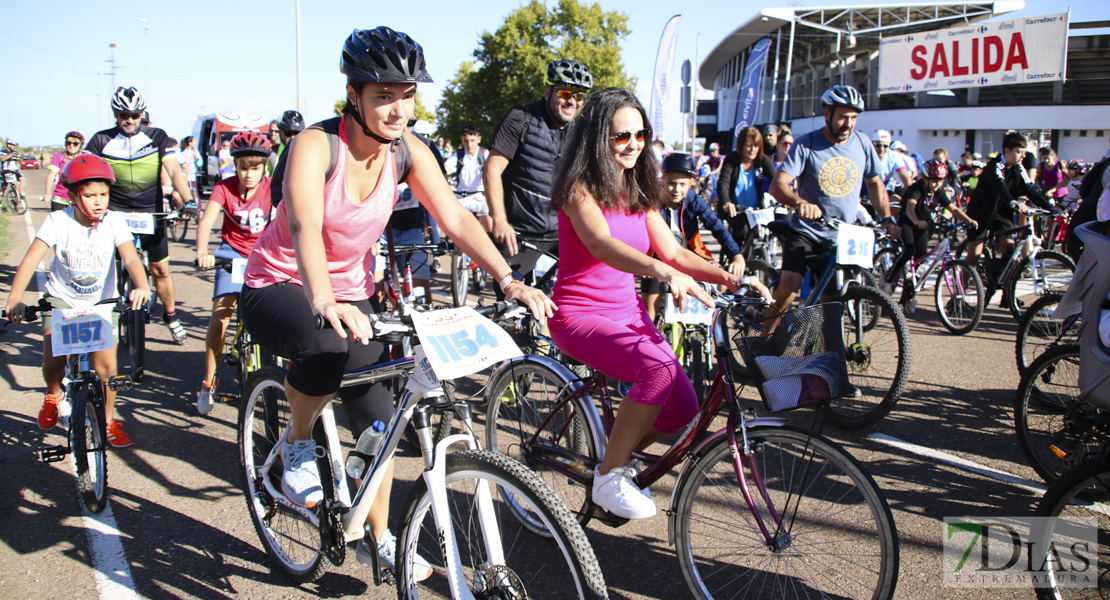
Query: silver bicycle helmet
<point>842,95</point>
<point>128,100</point>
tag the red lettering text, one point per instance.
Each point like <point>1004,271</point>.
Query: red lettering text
<point>957,70</point>
<point>992,53</point>
<point>1017,53</point>
<point>974,56</point>
<point>940,63</point>
<point>921,67</point>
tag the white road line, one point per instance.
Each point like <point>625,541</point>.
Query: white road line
<point>111,570</point>
<point>944,457</point>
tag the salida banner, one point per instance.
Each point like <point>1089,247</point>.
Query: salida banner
<point>1020,51</point>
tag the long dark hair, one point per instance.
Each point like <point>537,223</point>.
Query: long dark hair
<point>587,159</point>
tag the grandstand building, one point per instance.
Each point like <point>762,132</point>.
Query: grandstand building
<point>814,48</point>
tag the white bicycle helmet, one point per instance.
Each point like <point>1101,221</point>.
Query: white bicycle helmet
<point>842,95</point>
<point>128,100</point>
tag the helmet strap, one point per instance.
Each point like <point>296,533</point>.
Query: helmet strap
<point>78,204</point>
<point>370,134</point>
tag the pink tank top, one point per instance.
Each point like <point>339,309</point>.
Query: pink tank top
<point>350,229</point>
<point>586,284</point>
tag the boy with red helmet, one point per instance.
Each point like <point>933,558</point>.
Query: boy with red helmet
<point>245,198</point>
<point>84,237</point>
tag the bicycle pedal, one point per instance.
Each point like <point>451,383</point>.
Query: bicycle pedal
<point>119,383</point>
<point>231,360</point>
<point>51,454</point>
<point>225,397</point>
<point>608,518</point>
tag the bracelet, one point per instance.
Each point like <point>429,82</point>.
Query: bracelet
<point>505,281</point>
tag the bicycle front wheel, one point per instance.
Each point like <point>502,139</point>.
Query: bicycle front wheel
<point>1049,272</point>
<point>1065,501</point>
<point>563,566</point>
<point>877,341</point>
<point>959,297</point>
<point>178,228</point>
<point>836,540</point>
<point>90,448</point>
<point>460,278</point>
<point>16,202</point>
<point>295,544</point>
<point>1049,417</point>
<point>1039,331</point>
<point>520,402</point>
<point>133,323</point>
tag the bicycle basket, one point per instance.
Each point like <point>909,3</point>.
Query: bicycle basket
<point>799,356</point>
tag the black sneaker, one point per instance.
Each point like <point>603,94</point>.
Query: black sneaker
<point>177,330</point>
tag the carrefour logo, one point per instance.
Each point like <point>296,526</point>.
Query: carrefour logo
<point>984,29</point>
<point>909,38</point>
<point>907,87</point>
<point>983,80</point>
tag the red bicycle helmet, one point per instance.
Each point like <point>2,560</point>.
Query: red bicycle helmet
<point>76,134</point>
<point>85,167</point>
<point>934,169</point>
<point>250,143</point>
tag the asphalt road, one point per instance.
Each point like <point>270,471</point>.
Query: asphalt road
<point>184,530</point>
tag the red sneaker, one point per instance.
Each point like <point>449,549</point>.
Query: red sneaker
<point>48,414</point>
<point>116,437</point>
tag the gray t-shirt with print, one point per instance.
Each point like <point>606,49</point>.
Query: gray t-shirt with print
<point>830,175</point>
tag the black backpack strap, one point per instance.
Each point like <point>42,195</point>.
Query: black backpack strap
<point>403,159</point>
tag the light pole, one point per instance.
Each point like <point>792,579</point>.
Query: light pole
<point>146,73</point>
<point>297,19</point>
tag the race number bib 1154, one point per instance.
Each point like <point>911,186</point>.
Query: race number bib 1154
<point>80,330</point>
<point>139,223</point>
<point>855,246</point>
<point>459,341</point>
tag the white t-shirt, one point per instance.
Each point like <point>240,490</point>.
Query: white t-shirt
<point>188,158</point>
<point>84,268</point>
<point>470,175</point>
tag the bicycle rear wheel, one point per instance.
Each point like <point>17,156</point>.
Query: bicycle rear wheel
<point>90,448</point>
<point>877,341</point>
<point>562,567</point>
<point>177,228</point>
<point>15,202</point>
<point>762,271</point>
<point>1049,417</point>
<point>1064,500</point>
<point>1049,272</point>
<point>959,297</point>
<point>460,278</point>
<point>517,403</point>
<point>1038,330</point>
<point>295,544</point>
<point>837,538</point>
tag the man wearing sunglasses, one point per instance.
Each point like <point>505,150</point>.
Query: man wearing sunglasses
<point>137,153</point>
<point>521,164</point>
<point>893,170</point>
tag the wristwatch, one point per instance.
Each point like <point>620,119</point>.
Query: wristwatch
<point>888,220</point>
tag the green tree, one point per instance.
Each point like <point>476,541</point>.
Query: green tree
<point>511,62</point>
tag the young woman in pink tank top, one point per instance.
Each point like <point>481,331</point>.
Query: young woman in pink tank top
<point>608,194</point>
<point>315,258</point>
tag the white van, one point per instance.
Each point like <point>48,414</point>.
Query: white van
<point>213,129</point>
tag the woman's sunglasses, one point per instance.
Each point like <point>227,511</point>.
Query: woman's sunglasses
<point>624,136</point>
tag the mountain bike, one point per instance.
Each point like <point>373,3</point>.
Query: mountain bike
<point>879,350</point>
<point>177,221</point>
<point>1026,272</point>
<point>84,391</point>
<point>761,509</point>
<point>1038,330</point>
<point>958,291</point>
<point>11,199</point>
<point>453,517</point>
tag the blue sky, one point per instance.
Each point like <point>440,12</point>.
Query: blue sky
<point>204,56</point>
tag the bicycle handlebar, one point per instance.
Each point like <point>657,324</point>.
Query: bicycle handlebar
<point>224,263</point>
<point>390,325</point>
<point>31,312</point>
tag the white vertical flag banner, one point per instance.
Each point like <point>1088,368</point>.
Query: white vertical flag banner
<point>664,64</point>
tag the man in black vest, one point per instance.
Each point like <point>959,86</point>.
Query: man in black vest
<point>521,164</point>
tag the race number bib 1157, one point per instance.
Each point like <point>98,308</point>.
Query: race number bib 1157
<point>855,246</point>
<point>459,341</point>
<point>694,313</point>
<point>139,223</point>
<point>80,330</point>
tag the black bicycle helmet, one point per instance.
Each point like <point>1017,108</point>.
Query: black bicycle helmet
<point>128,100</point>
<point>383,55</point>
<point>291,120</point>
<point>569,73</point>
<point>842,95</point>
<point>680,162</point>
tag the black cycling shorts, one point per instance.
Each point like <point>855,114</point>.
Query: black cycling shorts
<point>280,320</point>
<point>996,224</point>
<point>800,254</point>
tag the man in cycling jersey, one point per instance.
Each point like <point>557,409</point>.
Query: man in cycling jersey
<point>9,158</point>
<point>137,154</point>
<point>828,168</point>
<point>522,158</point>
<point>893,170</point>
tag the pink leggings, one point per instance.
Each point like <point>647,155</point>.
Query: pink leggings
<point>631,349</point>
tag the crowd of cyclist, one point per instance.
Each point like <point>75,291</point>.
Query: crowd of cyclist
<point>576,172</point>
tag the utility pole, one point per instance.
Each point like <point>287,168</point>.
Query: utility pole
<point>297,8</point>
<point>112,67</point>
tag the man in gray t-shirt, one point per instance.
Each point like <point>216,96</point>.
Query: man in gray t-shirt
<point>828,168</point>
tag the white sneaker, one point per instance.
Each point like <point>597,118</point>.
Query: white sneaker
<point>638,466</point>
<point>204,398</point>
<point>64,411</point>
<point>616,493</point>
<point>387,556</point>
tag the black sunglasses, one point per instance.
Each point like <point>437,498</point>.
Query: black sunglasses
<point>129,116</point>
